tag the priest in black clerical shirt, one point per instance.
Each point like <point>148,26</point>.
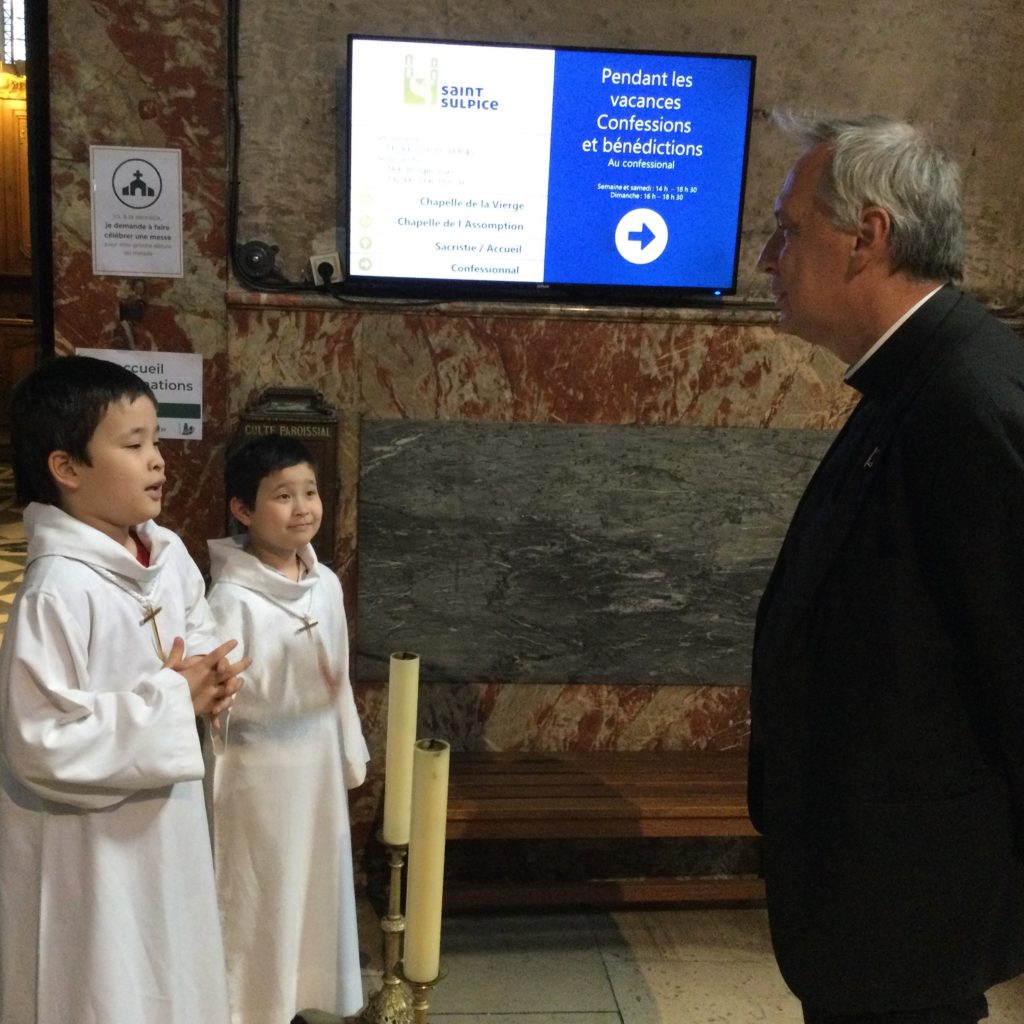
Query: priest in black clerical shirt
<point>887,705</point>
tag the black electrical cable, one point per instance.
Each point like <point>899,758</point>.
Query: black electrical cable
<point>233,148</point>
<point>234,133</point>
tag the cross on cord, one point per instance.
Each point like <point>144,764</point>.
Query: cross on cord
<point>150,617</point>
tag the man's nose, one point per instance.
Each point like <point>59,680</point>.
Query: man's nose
<point>766,262</point>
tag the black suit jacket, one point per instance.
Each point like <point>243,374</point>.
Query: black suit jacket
<point>887,703</point>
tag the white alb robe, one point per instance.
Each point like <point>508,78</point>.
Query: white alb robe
<point>107,898</point>
<point>292,747</point>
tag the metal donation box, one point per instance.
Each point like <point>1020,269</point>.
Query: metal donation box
<point>304,415</point>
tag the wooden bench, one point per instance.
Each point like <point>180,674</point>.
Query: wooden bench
<point>598,795</point>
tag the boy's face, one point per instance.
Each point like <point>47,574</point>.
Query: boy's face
<point>287,514</point>
<point>123,484</point>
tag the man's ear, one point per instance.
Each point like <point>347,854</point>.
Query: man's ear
<point>240,511</point>
<point>64,470</point>
<point>874,232</point>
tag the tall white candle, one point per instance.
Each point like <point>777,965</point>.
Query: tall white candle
<point>421,960</point>
<point>403,697</point>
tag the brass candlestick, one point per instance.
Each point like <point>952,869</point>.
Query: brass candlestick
<point>389,1004</point>
<point>421,994</point>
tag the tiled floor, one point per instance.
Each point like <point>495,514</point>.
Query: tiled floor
<point>605,968</point>
<point>674,966</point>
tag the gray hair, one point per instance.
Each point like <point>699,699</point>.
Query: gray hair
<point>878,161</point>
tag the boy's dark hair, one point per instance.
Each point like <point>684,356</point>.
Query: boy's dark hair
<point>57,407</point>
<point>254,458</point>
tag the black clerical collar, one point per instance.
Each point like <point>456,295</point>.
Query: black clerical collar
<point>851,370</point>
<point>884,372</point>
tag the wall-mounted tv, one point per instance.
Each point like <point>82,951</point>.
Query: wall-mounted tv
<point>559,174</point>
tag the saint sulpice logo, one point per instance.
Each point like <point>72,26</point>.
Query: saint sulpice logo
<point>137,183</point>
<point>421,86</point>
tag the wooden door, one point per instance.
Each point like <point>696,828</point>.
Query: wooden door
<point>17,336</point>
<point>16,247</point>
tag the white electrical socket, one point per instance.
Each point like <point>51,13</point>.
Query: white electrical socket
<point>330,258</point>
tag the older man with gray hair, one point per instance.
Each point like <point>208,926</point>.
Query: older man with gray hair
<point>887,705</point>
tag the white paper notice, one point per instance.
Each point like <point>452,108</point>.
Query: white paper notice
<point>177,381</point>
<point>136,211</point>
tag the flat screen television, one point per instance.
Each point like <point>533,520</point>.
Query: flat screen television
<point>557,174</point>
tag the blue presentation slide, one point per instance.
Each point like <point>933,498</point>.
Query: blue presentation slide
<point>646,171</point>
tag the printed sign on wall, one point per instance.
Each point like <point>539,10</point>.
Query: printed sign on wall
<point>177,381</point>
<point>136,211</point>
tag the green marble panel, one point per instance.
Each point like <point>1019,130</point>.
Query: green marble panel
<point>571,554</point>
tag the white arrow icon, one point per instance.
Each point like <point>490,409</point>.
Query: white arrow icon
<point>641,236</point>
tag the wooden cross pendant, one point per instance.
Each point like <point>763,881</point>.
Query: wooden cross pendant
<point>150,617</point>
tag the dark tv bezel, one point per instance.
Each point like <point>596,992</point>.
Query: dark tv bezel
<point>432,289</point>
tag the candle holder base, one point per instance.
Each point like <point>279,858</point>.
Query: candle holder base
<point>390,1003</point>
<point>421,993</point>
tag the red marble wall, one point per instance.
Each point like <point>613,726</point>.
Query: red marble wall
<point>540,366</point>
<point>147,75</point>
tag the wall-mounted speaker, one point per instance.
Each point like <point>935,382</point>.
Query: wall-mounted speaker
<point>257,260</point>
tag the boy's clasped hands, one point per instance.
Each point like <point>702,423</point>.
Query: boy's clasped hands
<point>212,680</point>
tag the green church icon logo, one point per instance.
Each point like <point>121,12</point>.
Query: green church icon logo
<point>421,89</point>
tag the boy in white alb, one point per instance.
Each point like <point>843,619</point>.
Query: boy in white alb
<point>107,900</point>
<point>292,747</point>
